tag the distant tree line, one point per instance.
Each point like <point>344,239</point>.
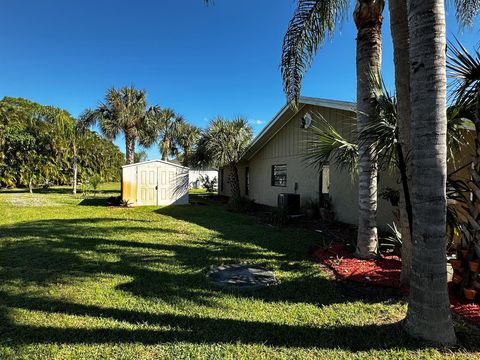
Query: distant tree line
<point>45,145</point>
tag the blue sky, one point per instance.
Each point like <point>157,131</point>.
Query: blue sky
<point>200,61</point>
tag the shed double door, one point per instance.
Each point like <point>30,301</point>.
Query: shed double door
<point>155,185</point>
<point>166,185</point>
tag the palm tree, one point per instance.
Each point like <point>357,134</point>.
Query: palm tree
<point>124,111</point>
<point>368,18</point>
<point>223,144</point>
<point>188,136</point>
<point>465,70</point>
<point>401,57</point>
<point>311,24</point>
<point>466,10</point>
<point>140,156</point>
<point>168,125</point>
<point>428,315</point>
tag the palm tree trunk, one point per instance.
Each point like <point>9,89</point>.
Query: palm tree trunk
<point>186,156</point>
<point>129,148</point>
<point>234,182</point>
<point>165,148</point>
<point>474,203</point>
<point>401,56</point>
<point>428,314</point>
<point>368,18</point>
<point>75,169</point>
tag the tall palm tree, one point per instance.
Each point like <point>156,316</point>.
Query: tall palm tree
<point>401,58</point>
<point>428,315</point>
<point>168,125</point>
<point>466,10</point>
<point>312,23</point>
<point>368,18</point>
<point>124,111</point>
<point>188,136</point>
<point>465,70</point>
<point>223,144</point>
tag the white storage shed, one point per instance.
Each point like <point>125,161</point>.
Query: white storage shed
<point>155,182</point>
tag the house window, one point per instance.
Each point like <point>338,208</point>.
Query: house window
<point>247,180</point>
<point>279,175</point>
<point>221,179</point>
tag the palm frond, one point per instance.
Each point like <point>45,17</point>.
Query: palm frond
<point>384,130</point>
<point>226,140</point>
<point>459,124</point>
<point>464,69</point>
<point>329,147</point>
<point>312,23</point>
<point>466,11</point>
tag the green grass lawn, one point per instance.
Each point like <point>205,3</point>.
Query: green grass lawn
<point>84,281</point>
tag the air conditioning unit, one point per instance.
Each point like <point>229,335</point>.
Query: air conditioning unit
<point>289,202</point>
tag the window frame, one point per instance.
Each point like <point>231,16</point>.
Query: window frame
<point>274,181</point>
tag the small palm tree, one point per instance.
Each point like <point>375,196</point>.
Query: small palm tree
<point>187,138</point>
<point>223,144</point>
<point>124,111</point>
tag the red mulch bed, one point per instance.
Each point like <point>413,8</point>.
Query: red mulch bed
<point>385,272</point>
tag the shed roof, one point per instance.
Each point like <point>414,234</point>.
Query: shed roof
<point>285,115</point>
<point>155,161</point>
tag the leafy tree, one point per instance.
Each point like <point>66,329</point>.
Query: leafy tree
<point>28,158</point>
<point>45,144</point>
<point>124,111</point>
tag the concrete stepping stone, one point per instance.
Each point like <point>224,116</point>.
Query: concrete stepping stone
<point>241,276</point>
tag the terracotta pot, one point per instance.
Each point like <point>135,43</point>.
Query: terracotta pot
<point>470,293</point>
<point>457,279</point>
<point>456,264</point>
<point>473,265</point>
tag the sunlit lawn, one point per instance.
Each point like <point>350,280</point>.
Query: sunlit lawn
<point>81,281</point>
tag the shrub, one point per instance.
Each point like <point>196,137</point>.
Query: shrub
<point>279,216</point>
<point>118,201</point>
<point>241,204</point>
<point>95,181</point>
<point>393,242</point>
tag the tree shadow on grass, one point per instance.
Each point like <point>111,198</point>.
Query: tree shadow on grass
<point>94,201</point>
<point>49,252</point>
<point>60,250</point>
<point>191,329</point>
